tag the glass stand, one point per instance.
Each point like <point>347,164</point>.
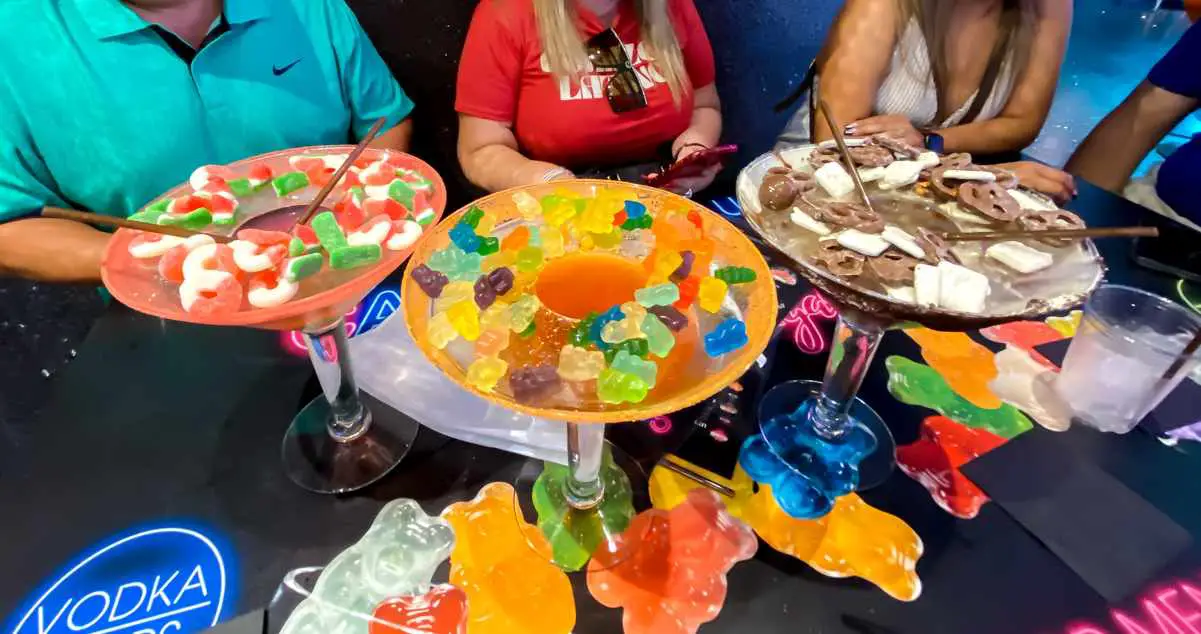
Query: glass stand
<point>820,441</point>
<point>337,443</point>
<point>584,508</point>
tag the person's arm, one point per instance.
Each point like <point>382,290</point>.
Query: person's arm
<point>367,83</point>
<point>855,60</point>
<point>489,156</point>
<point>51,250</point>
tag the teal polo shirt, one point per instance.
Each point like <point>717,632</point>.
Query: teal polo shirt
<point>100,110</point>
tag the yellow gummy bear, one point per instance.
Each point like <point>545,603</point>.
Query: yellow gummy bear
<point>495,316</point>
<point>452,294</point>
<point>497,260</point>
<point>634,311</point>
<point>527,206</point>
<point>440,331</point>
<point>580,364</point>
<point>486,225</point>
<point>521,313</point>
<point>465,317</point>
<point>854,539</point>
<point>622,330</point>
<point>485,372</point>
<point>607,240</point>
<point>552,243</point>
<point>711,294</point>
<point>504,568</point>
<point>666,263</point>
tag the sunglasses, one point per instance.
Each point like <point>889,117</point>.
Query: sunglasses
<point>622,88</point>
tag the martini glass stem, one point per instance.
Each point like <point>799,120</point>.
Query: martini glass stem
<point>585,452</point>
<point>329,350</point>
<point>856,338</point>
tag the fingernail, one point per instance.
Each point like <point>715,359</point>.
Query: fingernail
<point>850,129</point>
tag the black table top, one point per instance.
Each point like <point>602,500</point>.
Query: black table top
<point>160,422</point>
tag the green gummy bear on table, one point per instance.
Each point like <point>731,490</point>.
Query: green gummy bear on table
<point>918,384</point>
<point>329,233</point>
<point>353,257</point>
<point>574,534</point>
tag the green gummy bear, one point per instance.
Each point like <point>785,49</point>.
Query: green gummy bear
<point>198,219</point>
<point>617,387</point>
<point>732,275</point>
<point>353,257</point>
<point>638,347</point>
<point>658,295</point>
<point>641,222</point>
<point>659,339</point>
<point>575,534</point>
<point>473,216</point>
<point>455,263</point>
<point>328,232</point>
<point>401,193</point>
<point>488,245</point>
<point>580,336</point>
<point>623,361</point>
<point>918,384</point>
<point>285,184</point>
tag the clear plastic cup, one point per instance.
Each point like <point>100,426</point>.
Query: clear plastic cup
<point>1113,374</point>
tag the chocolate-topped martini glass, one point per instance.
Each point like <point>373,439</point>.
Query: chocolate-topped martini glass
<point>887,266</point>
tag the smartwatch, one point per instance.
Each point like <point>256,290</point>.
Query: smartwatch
<point>933,142</point>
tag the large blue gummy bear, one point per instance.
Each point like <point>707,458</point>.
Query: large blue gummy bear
<point>806,471</point>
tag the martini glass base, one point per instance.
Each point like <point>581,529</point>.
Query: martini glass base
<point>581,535</point>
<point>317,462</point>
<point>786,398</point>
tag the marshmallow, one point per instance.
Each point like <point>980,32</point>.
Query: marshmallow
<point>962,289</point>
<point>850,142</point>
<point>979,176</point>
<point>904,294</point>
<point>900,239</point>
<point>834,179</point>
<point>871,174</point>
<point>928,159</point>
<point>927,284</point>
<point>405,236</point>
<point>1019,257</point>
<point>375,234</point>
<point>864,243</point>
<point>144,247</point>
<point>263,295</point>
<point>1031,203</point>
<point>953,211</point>
<point>900,173</point>
<point>805,221</point>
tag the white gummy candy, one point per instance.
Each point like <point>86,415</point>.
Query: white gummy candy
<point>375,234</point>
<point>871,174</point>
<point>405,237</point>
<point>865,243</point>
<point>144,250</point>
<point>249,257</point>
<point>805,221</point>
<point>979,176</point>
<point>262,296</point>
<point>901,239</point>
<point>962,289</point>
<point>196,265</point>
<point>928,159</point>
<point>192,287</point>
<point>377,192</point>
<point>834,179</point>
<point>927,283</point>
<point>900,173</point>
<point>1019,257</point>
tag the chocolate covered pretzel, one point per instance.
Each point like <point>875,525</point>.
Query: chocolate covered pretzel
<point>990,200</point>
<point>935,247</point>
<point>839,260</point>
<point>852,215</point>
<point>821,155</point>
<point>897,146</point>
<point>1048,220</point>
<point>893,266</point>
<point>871,156</point>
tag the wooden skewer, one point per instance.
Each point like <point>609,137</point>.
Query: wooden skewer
<point>846,154</point>
<point>1079,234</point>
<point>716,487</point>
<point>333,181</point>
<point>1178,364</point>
<point>124,223</point>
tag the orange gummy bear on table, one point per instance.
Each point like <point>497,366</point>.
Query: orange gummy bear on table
<point>967,366</point>
<point>510,586</point>
<point>675,579</point>
<point>853,540</point>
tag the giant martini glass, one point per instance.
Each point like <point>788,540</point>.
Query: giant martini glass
<point>584,507</point>
<point>336,443</point>
<point>822,432</point>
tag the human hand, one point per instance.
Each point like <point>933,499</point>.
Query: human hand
<point>896,126</point>
<point>1055,183</point>
<point>691,184</point>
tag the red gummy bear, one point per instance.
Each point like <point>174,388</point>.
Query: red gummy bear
<point>675,580</point>
<point>934,461</point>
<point>442,610</point>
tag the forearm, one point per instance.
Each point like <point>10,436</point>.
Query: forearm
<point>1107,157</point>
<point>497,167</point>
<point>396,138</point>
<point>52,250</point>
<point>704,129</point>
<point>993,136</point>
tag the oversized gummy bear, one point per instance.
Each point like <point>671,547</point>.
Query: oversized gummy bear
<point>442,610</point>
<point>934,460</point>
<point>675,580</point>
<point>913,383</point>
<point>397,556</point>
<point>853,540</point>
<point>965,365</point>
<point>510,586</point>
<point>574,535</point>
<point>807,471</point>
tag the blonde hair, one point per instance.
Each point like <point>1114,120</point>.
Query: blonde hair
<point>564,48</point>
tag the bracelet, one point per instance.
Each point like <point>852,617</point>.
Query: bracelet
<point>688,145</point>
<point>553,173</point>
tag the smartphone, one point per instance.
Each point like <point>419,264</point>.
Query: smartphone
<point>1177,250</point>
<point>692,165</point>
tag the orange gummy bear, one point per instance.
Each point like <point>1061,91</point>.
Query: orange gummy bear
<point>675,579</point>
<point>510,586</point>
<point>853,540</point>
<point>967,366</point>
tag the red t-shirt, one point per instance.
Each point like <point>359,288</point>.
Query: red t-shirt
<point>502,78</point>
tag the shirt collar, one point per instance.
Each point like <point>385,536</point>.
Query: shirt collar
<point>244,11</point>
<point>111,18</point>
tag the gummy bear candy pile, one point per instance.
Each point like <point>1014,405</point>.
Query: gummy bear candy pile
<point>383,205</point>
<point>585,298</point>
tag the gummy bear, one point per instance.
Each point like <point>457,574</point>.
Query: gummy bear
<point>552,243</point>
<point>510,586</point>
<point>430,281</point>
<point>675,580</point>
<point>579,364</point>
<point>440,331</point>
<point>442,610</point>
<point>934,460</point>
<point>484,293</point>
<point>496,316</point>
<point>711,294</point>
<point>735,275</point>
<point>663,264</point>
<point>472,217</point>
<point>688,289</point>
<point>659,339</point>
<point>659,295</point>
<point>917,384</point>
<point>617,387</point>
<point>527,205</point>
<point>557,210</point>
<point>966,366</point>
<point>598,325</point>
<point>455,263</point>
<point>685,269</point>
<point>574,534</point>
<point>637,347</point>
<point>623,361</point>
<point>497,260</point>
<point>670,316</point>
<point>580,334</point>
<point>500,279</point>
<point>464,237</point>
<point>398,555</point>
<point>728,336</point>
<point>484,373</point>
<point>521,313</point>
<point>465,317</point>
<point>532,384</point>
<point>453,293</point>
<point>807,470</point>
<point>529,259</point>
<point>634,311</point>
<point>517,239</point>
<point>492,341</point>
<point>622,330</point>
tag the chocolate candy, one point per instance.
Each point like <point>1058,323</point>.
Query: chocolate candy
<point>839,260</point>
<point>853,215</point>
<point>893,266</point>
<point>777,192</point>
<point>991,200</point>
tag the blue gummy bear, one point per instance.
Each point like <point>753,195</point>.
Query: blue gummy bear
<point>464,237</point>
<point>805,470</point>
<point>728,336</point>
<point>635,209</point>
<point>594,333</point>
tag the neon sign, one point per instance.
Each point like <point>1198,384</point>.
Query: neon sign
<point>371,312</point>
<point>152,581</point>
<point>1174,608</point>
<point>727,206</point>
<point>802,321</point>
<point>1181,289</point>
<point>659,424</point>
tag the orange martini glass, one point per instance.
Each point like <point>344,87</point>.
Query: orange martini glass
<point>335,444</point>
<point>582,508</point>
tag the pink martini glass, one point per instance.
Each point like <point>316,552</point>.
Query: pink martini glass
<point>335,444</point>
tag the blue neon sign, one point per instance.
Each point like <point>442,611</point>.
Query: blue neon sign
<point>164,580</point>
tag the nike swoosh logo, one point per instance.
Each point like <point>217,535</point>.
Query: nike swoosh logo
<point>279,70</point>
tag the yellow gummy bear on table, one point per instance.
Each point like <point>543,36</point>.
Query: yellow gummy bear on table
<point>510,586</point>
<point>853,540</point>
